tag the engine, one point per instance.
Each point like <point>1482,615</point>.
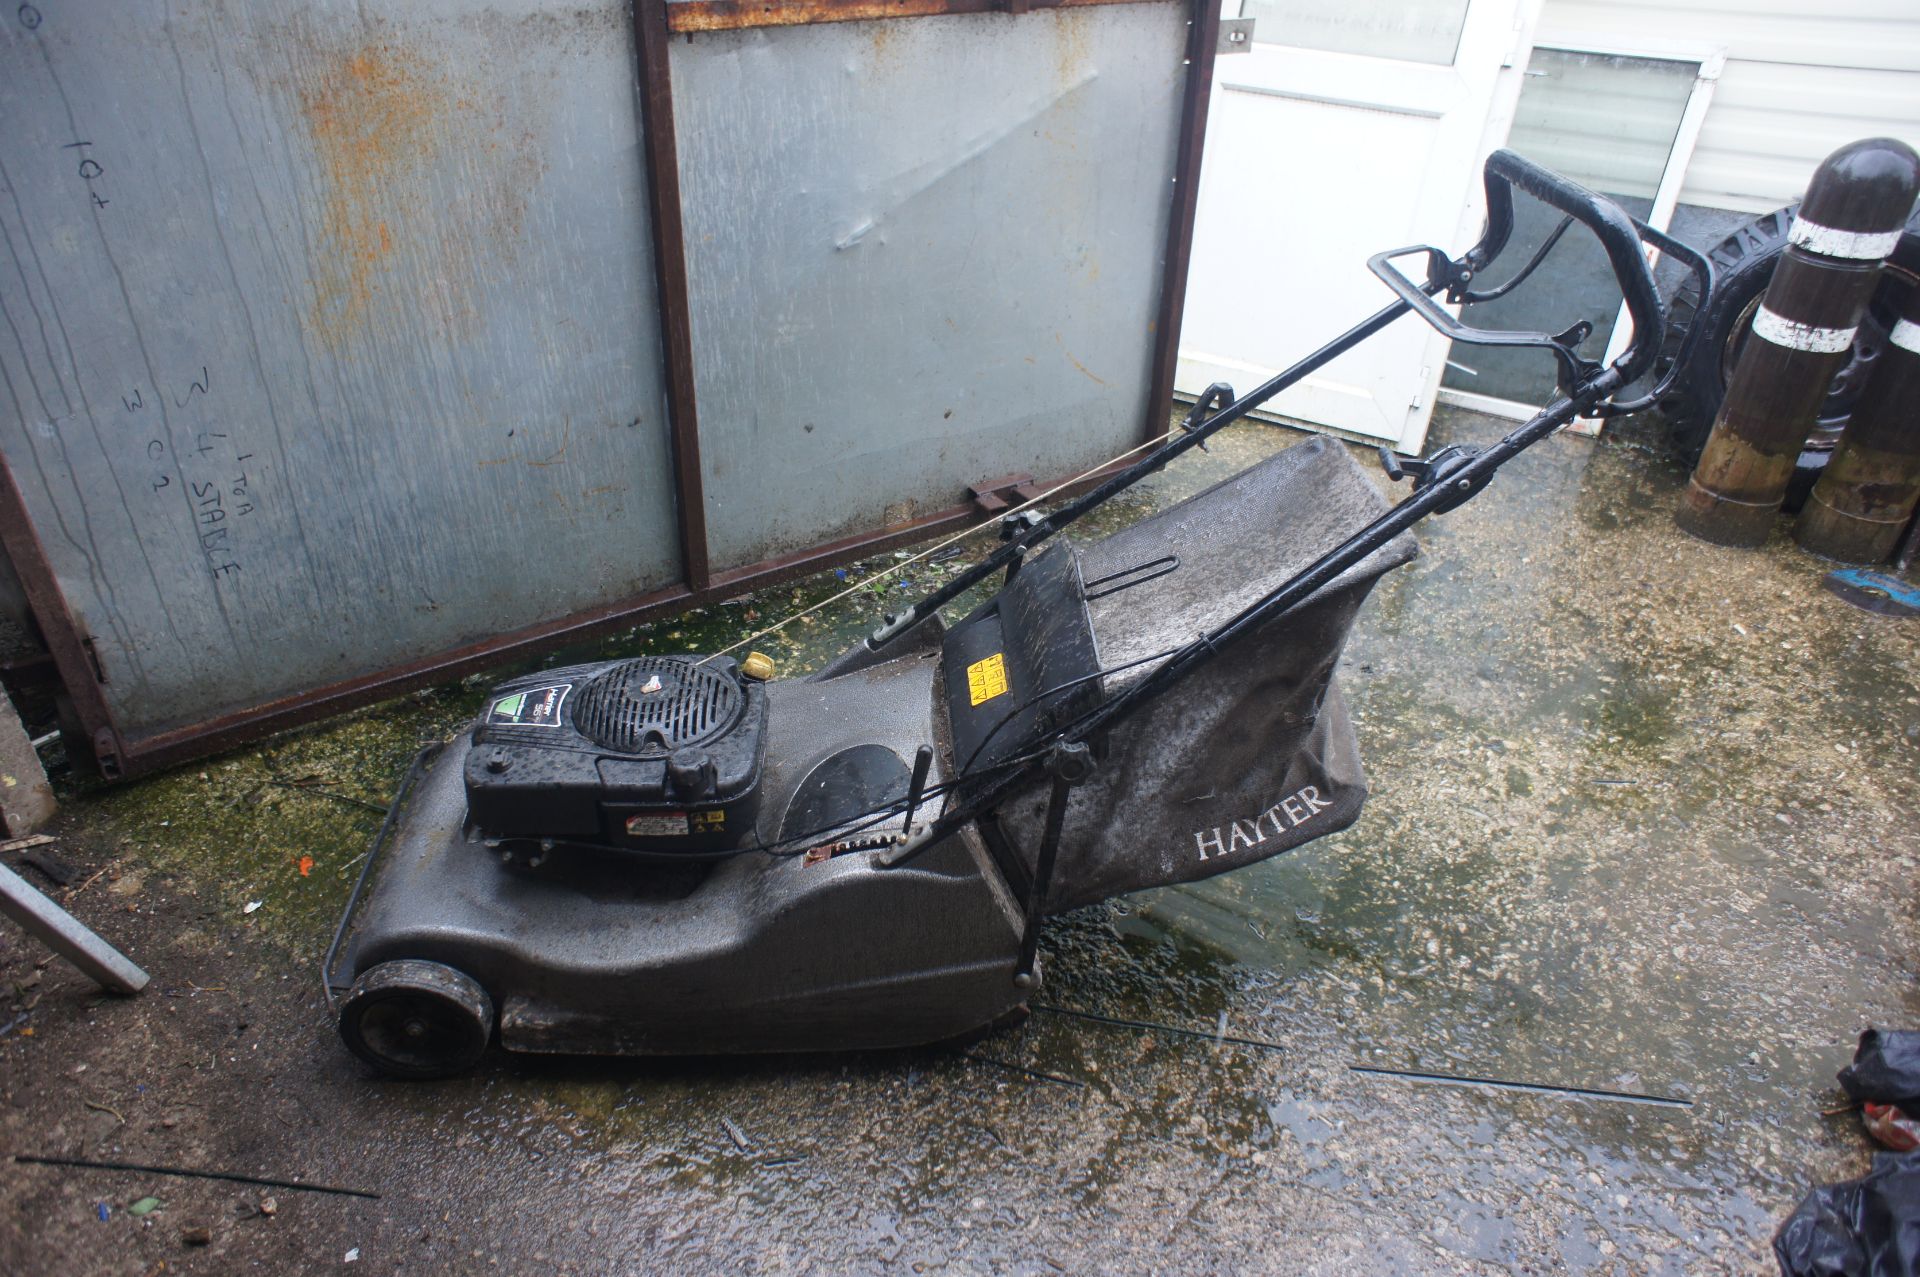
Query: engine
<point>659,755</point>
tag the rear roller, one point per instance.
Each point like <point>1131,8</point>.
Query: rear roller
<point>415,1019</point>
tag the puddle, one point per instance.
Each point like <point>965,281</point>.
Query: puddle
<point>1642,819</point>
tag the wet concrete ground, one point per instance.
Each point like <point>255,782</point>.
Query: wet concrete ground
<point>1643,820</point>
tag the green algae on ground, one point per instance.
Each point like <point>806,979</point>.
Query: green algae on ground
<point>242,825</point>
<point>1642,818</point>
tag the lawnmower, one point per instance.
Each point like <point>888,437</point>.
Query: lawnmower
<point>679,854</point>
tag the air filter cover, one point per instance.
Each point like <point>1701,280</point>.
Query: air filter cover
<point>654,705</point>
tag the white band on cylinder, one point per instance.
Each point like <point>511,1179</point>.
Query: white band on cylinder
<point>1868,246</point>
<point>1906,335</point>
<point>1795,335</point>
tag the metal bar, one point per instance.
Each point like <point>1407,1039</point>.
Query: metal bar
<point>651,38</point>
<point>1459,484</point>
<point>1544,1088</point>
<point>165,749</point>
<point>64,638</point>
<point>917,786</point>
<point>62,933</point>
<point>1203,39</point>
<point>687,16</point>
<point>900,623</point>
<point>87,1164</point>
<point>1043,863</point>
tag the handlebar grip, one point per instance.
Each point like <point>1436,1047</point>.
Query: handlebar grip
<point>1609,224</point>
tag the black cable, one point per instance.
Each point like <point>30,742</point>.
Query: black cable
<point>966,772</point>
<point>875,815</point>
<point>845,826</point>
<point>1520,276</point>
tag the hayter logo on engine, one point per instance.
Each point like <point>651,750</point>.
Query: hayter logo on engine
<point>1295,809</point>
<point>535,707</point>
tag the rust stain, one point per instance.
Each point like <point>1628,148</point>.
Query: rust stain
<point>1086,372</point>
<point>393,130</point>
<point>734,15</point>
<point>371,113</point>
<point>566,441</point>
<point>882,36</point>
<point>1070,48</point>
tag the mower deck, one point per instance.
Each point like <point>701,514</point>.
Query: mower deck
<point>742,954</point>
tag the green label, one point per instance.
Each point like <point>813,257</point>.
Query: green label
<point>535,707</point>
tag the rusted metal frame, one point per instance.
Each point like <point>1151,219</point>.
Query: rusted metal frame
<point>994,496</point>
<point>1203,38</point>
<point>166,749</point>
<point>651,38</point>
<point>163,749</point>
<point>66,641</point>
<point>653,23</point>
<point>833,553</point>
<point>689,16</point>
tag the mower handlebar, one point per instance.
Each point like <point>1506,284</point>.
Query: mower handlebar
<point>1609,224</point>
<point>1616,232</point>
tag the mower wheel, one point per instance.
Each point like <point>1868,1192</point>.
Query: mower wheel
<point>415,1019</point>
<point>1743,264</point>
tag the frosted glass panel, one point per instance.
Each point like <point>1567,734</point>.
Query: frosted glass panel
<point>1608,123</point>
<point>1403,30</point>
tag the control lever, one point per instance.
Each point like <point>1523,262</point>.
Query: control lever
<point>1436,471</point>
<point>1211,400</point>
<point>1014,526</point>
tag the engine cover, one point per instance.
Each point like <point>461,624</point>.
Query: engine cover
<point>657,754</point>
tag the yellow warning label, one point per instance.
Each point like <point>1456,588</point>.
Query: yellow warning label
<point>987,679</point>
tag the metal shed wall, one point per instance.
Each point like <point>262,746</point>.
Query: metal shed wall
<point>917,257</point>
<point>305,373</point>
<point>350,346</point>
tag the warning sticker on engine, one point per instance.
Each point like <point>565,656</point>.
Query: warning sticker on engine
<point>535,707</point>
<point>657,824</point>
<point>987,679</point>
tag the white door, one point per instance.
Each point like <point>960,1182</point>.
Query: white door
<point>1352,126</point>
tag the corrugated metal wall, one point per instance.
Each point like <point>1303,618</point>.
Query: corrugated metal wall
<point>331,339</point>
<point>329,334</point>
<point>918,250</point>
<point>1801,80</point>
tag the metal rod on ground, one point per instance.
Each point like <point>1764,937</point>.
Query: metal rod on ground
<point>88,1164</point>
<point>1854,212</point>
<point>1070,764</point>
<point>1868,490</point>
<point>60,932</point>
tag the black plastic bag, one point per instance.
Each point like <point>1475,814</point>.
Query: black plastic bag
<point>1866,1227</point>
<point>1885,1069</point>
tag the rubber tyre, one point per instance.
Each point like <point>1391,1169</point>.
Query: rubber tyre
<point>1744,263</point>
<point>415,1019</point>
